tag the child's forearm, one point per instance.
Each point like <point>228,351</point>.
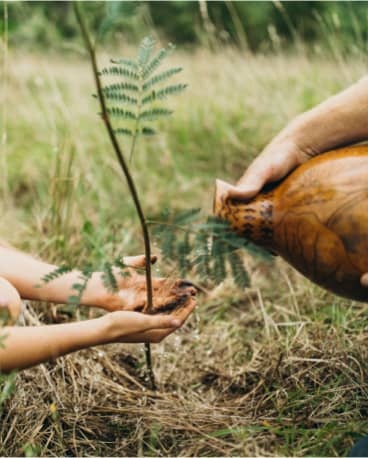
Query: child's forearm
<point>26,346</point>
<point>25,273</point>
<point>23,347</point>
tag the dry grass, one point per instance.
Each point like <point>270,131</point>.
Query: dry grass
<point>279,369</point>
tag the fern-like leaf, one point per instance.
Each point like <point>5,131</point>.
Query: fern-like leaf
<point>56,273</point>
<point>122,131</point>
<point>123,272</point>
<point>156,61</point>
<point>164,93</point>
<point>259,252</point>
<point>119,262</point>
<point>154,113</point>
<point>202,252</point>
<point>120,87</point>
<point>239,274</point>
<point>120,97</point>
<point>120,113</point>
<point>79,288</point>
<point>147,131</point>
<point>186,216</point>
<point>159,78</point>
<point>168,244</point>
<point>145,51</point>
<point>183,258</point>
<point>149,98</point>
<point>170,90</point>
<point>108,278</point>
<point>126,62</point>
<point>120,71</point>
<point>218,272</point>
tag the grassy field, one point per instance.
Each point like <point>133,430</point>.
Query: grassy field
<point>277,369</point>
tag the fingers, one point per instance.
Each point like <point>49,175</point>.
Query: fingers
<point>157,335</point>
<point>274,163</point>
<point>123,326</point>
<point>170,296</point>
<point>247,187</point>
<point>10,298</point>
<point>152,336</point>
<point>258,173</point>
<point>183,313</point>
<point>162,322</point>
<point>138,261</point>
<point>364,280</point>
<point>174,288</point>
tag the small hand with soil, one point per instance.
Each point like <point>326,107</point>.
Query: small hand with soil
<point>168,295</point>
<point>158,326</point>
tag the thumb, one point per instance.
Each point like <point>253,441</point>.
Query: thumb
<point>364,280</point>
<point>250,184</point>
<point>268,167</point>
<point>138,261</point>
<point>162,322</point>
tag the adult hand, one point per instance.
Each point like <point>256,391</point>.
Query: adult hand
<point>276,161</point>
<point>339,120</point>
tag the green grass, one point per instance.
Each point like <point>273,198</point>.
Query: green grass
<point>279,369</point>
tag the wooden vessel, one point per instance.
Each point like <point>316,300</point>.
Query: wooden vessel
<point>316,219</point>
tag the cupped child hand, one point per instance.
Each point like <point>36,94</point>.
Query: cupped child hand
<point>168,294</point>
<point>145,328</point>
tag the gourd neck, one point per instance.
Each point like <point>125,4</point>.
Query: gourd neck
<point>251,219</point>
<point>254,219</point>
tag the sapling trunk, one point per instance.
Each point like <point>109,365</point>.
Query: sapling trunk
<point>125,168</point>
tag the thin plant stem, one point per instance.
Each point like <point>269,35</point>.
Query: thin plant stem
<point>4,140</point>
<point>124,166</point>
<point>137,124</point>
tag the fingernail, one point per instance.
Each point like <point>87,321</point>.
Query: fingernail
<point>176,323</point>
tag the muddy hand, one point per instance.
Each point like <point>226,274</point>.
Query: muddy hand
<point>180,315</point>
<point>168,294</point>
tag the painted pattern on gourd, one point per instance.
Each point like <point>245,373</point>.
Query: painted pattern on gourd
<point>316,219</point>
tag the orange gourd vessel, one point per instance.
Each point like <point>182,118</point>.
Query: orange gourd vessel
<point>316,219</point>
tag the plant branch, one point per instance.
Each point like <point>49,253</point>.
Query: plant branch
<point>119,155</point>
<point>128,176</point>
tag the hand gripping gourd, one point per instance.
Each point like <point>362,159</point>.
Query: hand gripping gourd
<point>316,219</point>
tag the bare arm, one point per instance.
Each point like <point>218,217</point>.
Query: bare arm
<point>24,272</point>
<point>27,346</point>
<point>339,120</point>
